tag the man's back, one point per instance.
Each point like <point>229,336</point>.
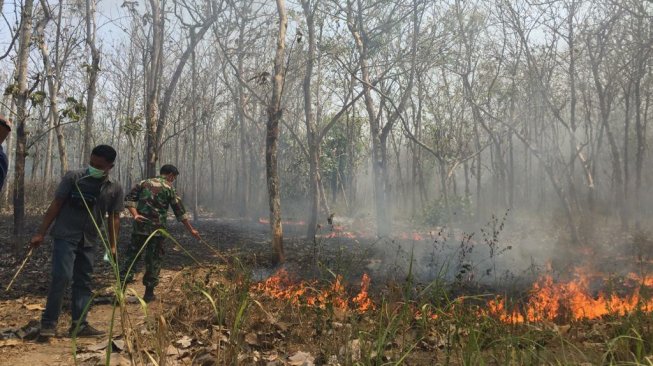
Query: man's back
<point>151,198</point>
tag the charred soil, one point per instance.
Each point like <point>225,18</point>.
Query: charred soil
<point>420,298</point>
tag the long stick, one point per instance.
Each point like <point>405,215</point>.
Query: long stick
<point>29,254</point>
<point>215,251</point>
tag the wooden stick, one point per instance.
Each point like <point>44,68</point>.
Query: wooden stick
<point>29,254</point>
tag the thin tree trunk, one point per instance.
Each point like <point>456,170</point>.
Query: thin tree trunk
<point>355,23</point>
<point>194,151</point>
<point>152,89</point>
<point>311,128</point>
<point>243,173</point>
<point>641,147</point>
<point>21,119</point>
<point>52,69</point>
<point>92,71</point>
<point>272,136</point>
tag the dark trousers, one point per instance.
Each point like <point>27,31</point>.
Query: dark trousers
<point>4,165</point>
<point>153,258</point>
<point>71,261</point>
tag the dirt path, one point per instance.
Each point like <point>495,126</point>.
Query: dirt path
<point>58,350</point>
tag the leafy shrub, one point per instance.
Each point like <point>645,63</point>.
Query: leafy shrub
<point>436,212</point>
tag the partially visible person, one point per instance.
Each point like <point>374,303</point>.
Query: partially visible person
<point>81,201</point>
<point>148,203</point>
<point>5,130</point>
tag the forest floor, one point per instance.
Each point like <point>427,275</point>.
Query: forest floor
<point>421,297</point>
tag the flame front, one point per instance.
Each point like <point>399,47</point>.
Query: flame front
<point>550,301</point>
<point>281,286</point>
<point>547,301</point>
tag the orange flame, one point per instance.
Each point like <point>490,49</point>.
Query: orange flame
<point>644,281</point>
<point>550,301</point>
<point>281,286</point>
<point>362,300</point>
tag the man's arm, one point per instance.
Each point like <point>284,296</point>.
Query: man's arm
<point>191,229</point>
<point>183,216</point>
<point>131,201</point>
<point>5,129</point>
<point>48,218</point>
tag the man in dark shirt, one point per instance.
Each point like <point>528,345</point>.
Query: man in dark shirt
<point>81,201</point>
<point>5,129</point>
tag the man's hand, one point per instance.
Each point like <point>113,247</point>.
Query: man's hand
<point>195,234</point>
<point>36,240</point>
<point>140,218</point>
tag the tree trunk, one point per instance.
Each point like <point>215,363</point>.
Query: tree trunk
<point>243,173</point>
<point>53,71</point>
<point>311,127</point>
<point>272,137</point>
<point>92,71</point>
<point>152,88</point>
<point>355,22</point>
<point>21,97</point>
<point>194,151</point>
<point>641,144</point>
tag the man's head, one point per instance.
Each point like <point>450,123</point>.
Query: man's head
<point>102,158</point>
<point>169,171</point>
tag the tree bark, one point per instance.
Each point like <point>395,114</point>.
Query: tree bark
<point>272,136</point>
<point>21,118</point>
<point>311,127</point>
<point>152,90</point>
<point>92,71</point>
<point>52,70</point>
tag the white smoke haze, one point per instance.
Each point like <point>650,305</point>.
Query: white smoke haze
<point>470,110</point>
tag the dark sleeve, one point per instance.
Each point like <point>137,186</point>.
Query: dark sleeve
<point>118,203</point>
<point>65,186</point>
<point>4,165</point>
<point>131,199</point>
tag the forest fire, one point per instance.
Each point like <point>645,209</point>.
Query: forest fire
<point>573,300</point>
<point>362,299</point>
<point>281,286</point>
<point>548,300</point>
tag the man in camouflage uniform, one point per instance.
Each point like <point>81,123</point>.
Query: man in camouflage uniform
<point>148,203</point>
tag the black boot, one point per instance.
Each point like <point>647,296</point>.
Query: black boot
<point>149,294</point>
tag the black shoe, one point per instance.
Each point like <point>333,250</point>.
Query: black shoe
<point>149,294</point>
<point>85,330</point>
<point>47,332</point>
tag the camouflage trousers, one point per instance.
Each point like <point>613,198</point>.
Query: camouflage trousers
<point>153,259</point>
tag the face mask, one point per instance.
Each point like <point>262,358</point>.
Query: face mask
<point>96,173</point>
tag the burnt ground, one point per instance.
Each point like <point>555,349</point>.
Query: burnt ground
<point>239,240</point>
<point>478,263</point>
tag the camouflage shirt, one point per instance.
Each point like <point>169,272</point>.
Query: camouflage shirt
<point>151,199</point>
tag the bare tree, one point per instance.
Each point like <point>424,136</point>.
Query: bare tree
<point>275,112</point>
<point>21,95</point>
<point>92,71</point>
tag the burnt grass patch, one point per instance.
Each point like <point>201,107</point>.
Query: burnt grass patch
<point>425,312</point>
